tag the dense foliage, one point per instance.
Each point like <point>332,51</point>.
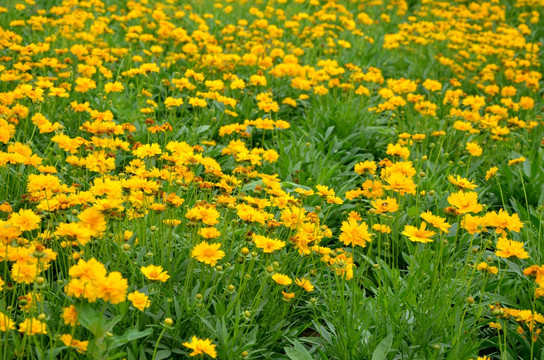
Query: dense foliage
<point>307,179</point>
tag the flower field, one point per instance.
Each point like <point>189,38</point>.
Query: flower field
<point>280,179</point>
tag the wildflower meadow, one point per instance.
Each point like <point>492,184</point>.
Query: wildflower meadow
<point>271,179</point>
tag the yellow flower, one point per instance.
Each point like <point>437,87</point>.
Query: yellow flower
<point>385,205</point>
<point>201,347</point>
<point>32,326</point>
<point>207,253</point>
<point>112,288</point>
<point>287,296</point>
<point>155,273</point>
<point>25,220</point>
<point>462,182</point>
<point>208,215</point>
<point>113,87</point>
<point>209,233</point>
<point>69,314</point>
<point>24,273</point>
<point>516,161</point>
<point>418,235</point>
<point>93,219</point>
<point>139,300</point>
<point>305,284</point>
<point>474,149</point>
<point>436,221</point>
<point>6,323</point>
<point>507,248</point>
<point>400,183</point>
<point>354,233</point>
<point>502,220</point>
<point>282,279</point>
<point>366,167</point>
<point>80,346</point>
<point>268,245</point>
<point>491,172</point>
<point>465,202</point>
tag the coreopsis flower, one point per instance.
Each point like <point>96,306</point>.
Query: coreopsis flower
<point>155,273</point>
<point>507,248</point>
<point>491,173</point>
<point>372,189</point>
<point>207,253</point>
<point>462,183</point>
<point>287,296</point>
<point>94,220</point>
<point>112,288</point>
<point>139,300</point>
<point>436,221</point>
<point>209,233</point>
<point>354,233</point>
<point>485,267</point>
<point>282,279</point>
<point>69,315</point>
<point>25,220</point>
<point>250,214</point>
<point>305,284</point>
<point>398,150</point>
<point>418,235</point>
<point>385,205</point>
<point>342,265</point>
<point>325,191</point>
<point>268,245</point>
<point>516,161</point>
<point>24,273</point>
<point>208,215</point>
<point>535,271</point>
<point>473,149</point>
<point>293,216</point>
<point>365,167</point>
<point>465,202</point>
<point>501,221</point>
<point>88,270</point>
<point>32,326</point>
<point>80,346</point>
<point>6,323</point>
<point>384,229</point>
<point>113,87</point>
<point>201,347</point>
<point>74,232</point>
<point>147,150</point>
<point>400,183</point>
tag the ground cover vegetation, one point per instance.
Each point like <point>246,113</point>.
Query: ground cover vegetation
<point>306,179</point>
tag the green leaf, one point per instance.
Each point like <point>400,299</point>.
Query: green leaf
<point>383,348</point>
<point>128,336</point>
<point>163,354</point>
<point>298,352</point>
